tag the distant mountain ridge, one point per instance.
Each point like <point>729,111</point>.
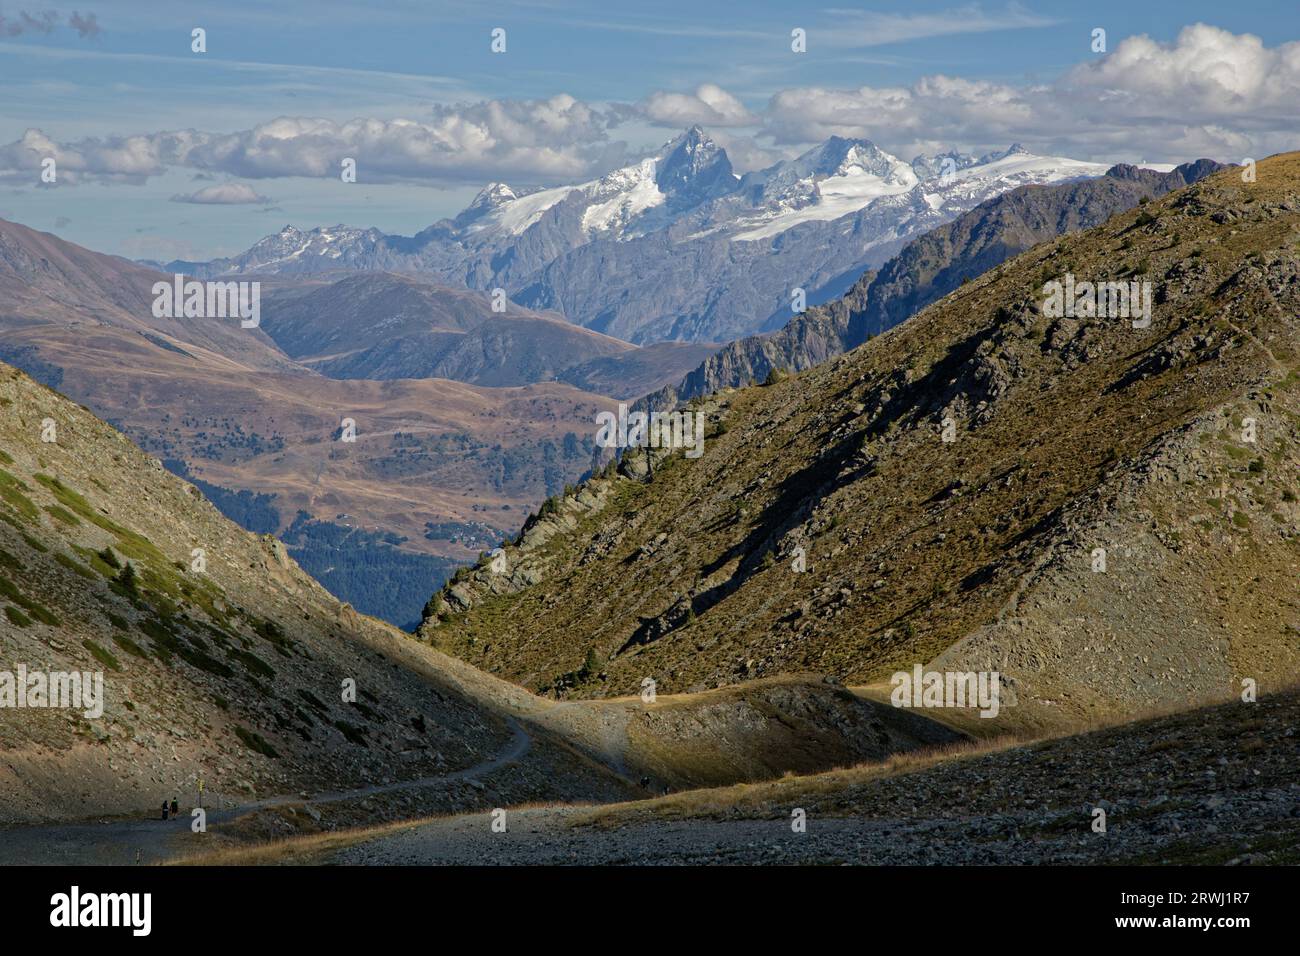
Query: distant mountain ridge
<point>382,325</point>
<point>439,470</point>
<point>926,269</point>
<point>676,247</point>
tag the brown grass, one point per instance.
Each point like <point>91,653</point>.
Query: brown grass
<point>759,799</point>
<point>307,849</point>
<point>291,851</point>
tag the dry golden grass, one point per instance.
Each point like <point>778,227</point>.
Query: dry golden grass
<point>291,851</point>
<point>308,849</point>
<point>705,803</point>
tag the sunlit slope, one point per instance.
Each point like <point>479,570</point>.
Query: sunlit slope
<point>1068,435</point>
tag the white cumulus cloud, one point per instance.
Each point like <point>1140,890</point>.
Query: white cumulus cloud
<point>226,194</point>
<point>709,105</point>
<point>1209,92</point>
<point>527,141</point>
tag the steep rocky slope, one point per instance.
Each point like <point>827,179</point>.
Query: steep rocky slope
<point>229,669</point>
<point>942,259</point>
<point>950,484</point>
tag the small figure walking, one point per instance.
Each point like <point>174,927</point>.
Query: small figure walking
<point>176,810</point>
<point>164,809</point>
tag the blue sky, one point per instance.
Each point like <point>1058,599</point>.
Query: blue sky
<point>414,90</point>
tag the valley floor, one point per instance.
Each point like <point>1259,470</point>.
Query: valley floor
<point>1219,785</point>
<point>547,837</point>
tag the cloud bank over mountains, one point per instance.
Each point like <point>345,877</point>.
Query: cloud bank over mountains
<point>1209,92</point>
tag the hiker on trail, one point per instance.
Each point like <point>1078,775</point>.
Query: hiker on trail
<point>176,810</point>
<point>164,808</point>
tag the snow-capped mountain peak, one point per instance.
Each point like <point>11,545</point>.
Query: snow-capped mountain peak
<point>490,198</point>
<point>693,168</point>
<point>618,198</point>
<point>297,250</point>
<point>633,251</point>
<point>927,167</point>
<point>1011,150</point>
<point>837,157</point>
<point>493,194</point>
<point>685,172</point>
<point>839,177</point>
<point>840,156</point>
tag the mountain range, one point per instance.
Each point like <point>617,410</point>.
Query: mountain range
<point>82,322</point>
<point>677,247</point>
<point>1102,512</point>
<point>926,269</point>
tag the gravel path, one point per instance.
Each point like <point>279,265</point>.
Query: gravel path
<point>153,840</point>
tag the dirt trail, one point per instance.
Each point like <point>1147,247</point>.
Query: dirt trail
<point>1217,785</point>
<point>125,842</point>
